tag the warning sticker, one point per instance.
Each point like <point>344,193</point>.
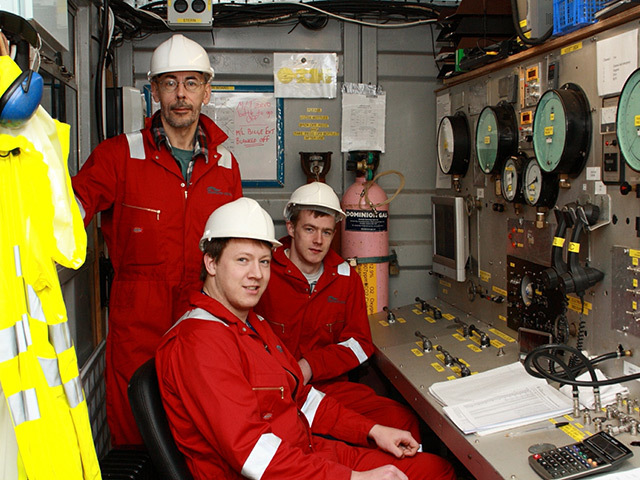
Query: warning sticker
<point>366,221</point>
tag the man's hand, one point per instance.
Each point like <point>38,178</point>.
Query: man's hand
<point>306,370</point>
<point>386,472</point>
<point>398,443</point>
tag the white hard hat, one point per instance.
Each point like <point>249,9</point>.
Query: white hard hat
<point>179,54</point>
<point>242,218</point>
<point>316,196</point>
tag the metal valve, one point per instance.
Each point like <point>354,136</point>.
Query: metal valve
<point>427,346</point>
<point>391,318</point>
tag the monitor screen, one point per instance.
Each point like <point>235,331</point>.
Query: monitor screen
<point>450,237</point>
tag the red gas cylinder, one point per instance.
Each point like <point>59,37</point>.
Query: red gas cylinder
<point>365,239</point>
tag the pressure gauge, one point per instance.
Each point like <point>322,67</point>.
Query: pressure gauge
<point>540,189</point>
<point>628,121</point>
<point>511,179</point>
<point>454,144</point>
<point>496,136</point>
<point>562,130</point>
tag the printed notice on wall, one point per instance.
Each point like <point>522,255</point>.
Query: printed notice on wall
<point>363,117</point>
<point>305,75</point>
<point>617,58</point>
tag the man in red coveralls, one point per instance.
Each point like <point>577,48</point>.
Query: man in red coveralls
<point>155,189</point>
<point>234,396</point>
<point>315,303</point>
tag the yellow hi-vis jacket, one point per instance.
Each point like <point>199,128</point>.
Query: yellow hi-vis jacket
<point>40,224</point>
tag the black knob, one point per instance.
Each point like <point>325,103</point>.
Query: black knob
<point>625,188</point>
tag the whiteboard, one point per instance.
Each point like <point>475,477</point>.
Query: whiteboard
<point>254,121</point>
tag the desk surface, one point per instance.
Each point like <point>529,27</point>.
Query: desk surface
<point>400,358</point>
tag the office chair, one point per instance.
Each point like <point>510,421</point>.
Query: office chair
<point>150,416</point>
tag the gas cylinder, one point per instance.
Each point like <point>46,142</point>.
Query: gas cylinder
<point>365,239</point>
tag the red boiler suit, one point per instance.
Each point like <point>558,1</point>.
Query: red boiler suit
<point>330,329</point>
<point>152,223</point>
<point>237,407</point>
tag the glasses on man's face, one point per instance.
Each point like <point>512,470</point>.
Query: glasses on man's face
<point>170,85</point>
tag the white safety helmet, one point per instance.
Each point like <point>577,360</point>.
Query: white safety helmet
<point>180,54</point>
<point>242,218</point>
<point>315,196</point>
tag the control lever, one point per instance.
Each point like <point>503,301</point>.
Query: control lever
<point>464,370</point>
<point>427,346</point>
<point>448,358</point>
<point>391,318</point>
<point>551,276</point>
<point>465,328</point>
<point>485,341</point>
<point>424,306</point>
<point>578,278</point>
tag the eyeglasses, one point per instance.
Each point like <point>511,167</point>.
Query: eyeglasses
<point>170,85</point>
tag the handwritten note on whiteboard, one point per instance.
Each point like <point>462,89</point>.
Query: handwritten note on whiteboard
<point>253,121</point>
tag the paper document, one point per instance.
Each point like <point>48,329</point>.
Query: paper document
<point>499,399</point>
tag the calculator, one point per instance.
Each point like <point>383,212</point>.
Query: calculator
<point>596,454</point>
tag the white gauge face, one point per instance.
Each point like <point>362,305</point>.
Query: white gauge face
<point>445,145</point>
<point>532,182</point>
<point>510,180</point>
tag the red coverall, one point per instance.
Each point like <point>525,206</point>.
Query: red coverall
<point>330,329</point>
<point>236,406</point>
<point>152,223</point>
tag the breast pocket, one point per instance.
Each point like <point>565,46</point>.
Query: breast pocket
<point>270,395</point>
<point>332,327</point>
<point>140,227</point>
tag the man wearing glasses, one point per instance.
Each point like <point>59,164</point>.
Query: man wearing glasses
<point>155,189</point>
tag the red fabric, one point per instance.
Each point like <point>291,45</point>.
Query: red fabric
<point>152,224</point>
<point>312,325</point>
<point>224,385</point>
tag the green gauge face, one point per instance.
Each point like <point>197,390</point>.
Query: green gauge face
<point>539,188</point>
<point>454,145</point>
<point>549,131</point>
<point>562,130</point>
<point>628,121</point>
<point>487,140</point>
<point>511,180</point>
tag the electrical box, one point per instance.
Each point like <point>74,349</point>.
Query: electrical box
<point>190,13</point>
<point>49,18</point>
<point>536,16</point>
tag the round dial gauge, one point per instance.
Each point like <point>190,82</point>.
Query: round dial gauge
<point>454,144</point>
<point>527,290</point>
<point>562,130</point>
<point>511,179</point>
<point>496,136</point>
<point>628,121</point>
<point>539,188</point>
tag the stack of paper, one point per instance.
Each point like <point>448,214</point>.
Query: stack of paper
<point>499,399</point>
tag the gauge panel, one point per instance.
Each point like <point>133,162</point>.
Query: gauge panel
<point>628,121</point>
<point>496,136</point>
<point>454,144</point>
<point>562,130</point>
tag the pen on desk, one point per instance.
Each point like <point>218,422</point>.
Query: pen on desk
<point>537,429</point>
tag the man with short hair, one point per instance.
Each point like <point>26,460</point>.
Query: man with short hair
<point>235,398</point>
<point>155,189</point>
<point>316,305</point>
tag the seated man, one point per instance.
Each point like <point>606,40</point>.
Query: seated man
<point>315,303</point>
<point>234,395</point>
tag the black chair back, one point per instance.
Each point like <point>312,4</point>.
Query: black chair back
<point>151,418</point>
